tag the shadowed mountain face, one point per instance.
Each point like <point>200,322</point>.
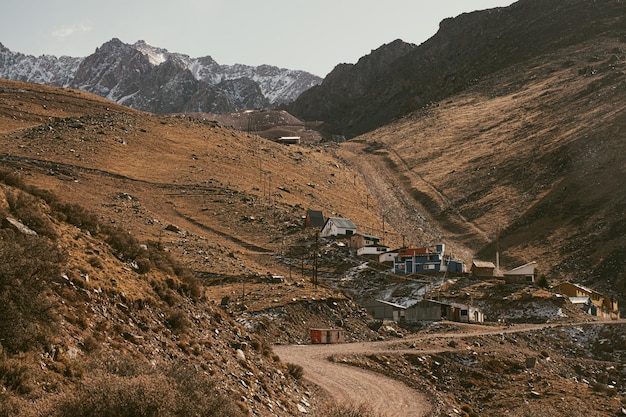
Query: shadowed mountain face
<point>354,99</point>
<point>536,151</point>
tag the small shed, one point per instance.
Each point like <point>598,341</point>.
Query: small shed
<point>338,226</point>
<point>314,218</point>
<point>327,336</point>
<point>372,250</point>
<point>524,274</point>
<point>433,310</point>
<point>482,269</point>
<point>388,256</point>
<point>289,140</point>
<point>360,240</point>
<point>384,310</point>
<point>425,310</point>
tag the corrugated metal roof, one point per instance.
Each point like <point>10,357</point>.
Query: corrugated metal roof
<point>413,252</point>
<point>389,303</point>
<point>342,222</point>
<point>316,218</point>
<point>483,264</point>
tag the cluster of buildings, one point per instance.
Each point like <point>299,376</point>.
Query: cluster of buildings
<point>435,260</point>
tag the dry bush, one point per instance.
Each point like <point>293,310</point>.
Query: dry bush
<point>12,178</point>
<point>126,246</point>
<point>27,209</point>
<point>16,373</point>
<point>76,215</point>
<point>114,396</point>
<point>348,410</point>
<point>469,411</point>
<point>295,371</point>
<point>178,321</point>
<point>197,395</point>
<point>29,264</point>
<point>180,391</point>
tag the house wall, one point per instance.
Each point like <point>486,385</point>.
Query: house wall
<point>383,311</point>
<point>519,279</point>
<point>423,311</point>
<point>482,272</point>
<point>371,250</point>
<point>430,262</point>
<point>331,229</point>
<point>456,266</point>
<point>387,257</point>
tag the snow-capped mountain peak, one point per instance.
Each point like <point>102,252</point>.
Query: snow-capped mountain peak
<point>153,79</point>
<point>156,55</point>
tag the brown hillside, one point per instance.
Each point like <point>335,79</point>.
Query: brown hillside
<point>537,150</point>
<point>233,199</point>
<point>100,312</point>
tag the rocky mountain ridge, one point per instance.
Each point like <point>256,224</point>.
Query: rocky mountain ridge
<point>153,79</point>
<point>358,98</point>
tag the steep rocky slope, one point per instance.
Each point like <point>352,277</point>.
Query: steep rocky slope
<point>100,309</point>
<point>536,151</point>
<point>465,49</point>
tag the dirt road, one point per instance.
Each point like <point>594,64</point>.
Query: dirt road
<point>350,385</point>
<point>383,395</point>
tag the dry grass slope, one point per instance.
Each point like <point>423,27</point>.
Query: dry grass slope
<point>536,150</point>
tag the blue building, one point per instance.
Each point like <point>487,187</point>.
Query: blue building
<point>426,260</point>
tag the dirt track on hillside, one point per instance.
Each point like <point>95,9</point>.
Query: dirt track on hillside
<point>385,396</point>
<point>392,189</point>
<point>350,385</point>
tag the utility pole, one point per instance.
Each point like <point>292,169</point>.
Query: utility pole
<point>498,250</point>
<point>317,242</point>
<point>382,215</point>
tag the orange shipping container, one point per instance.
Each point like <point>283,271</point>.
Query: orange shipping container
<point>319,336</point>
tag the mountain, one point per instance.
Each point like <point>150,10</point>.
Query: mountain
<point>528,143</point>
<point>153,79</point>
<point>465,49</point>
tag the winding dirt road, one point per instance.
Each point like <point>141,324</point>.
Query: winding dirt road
<point>350,385</point>
<point>383,395</point>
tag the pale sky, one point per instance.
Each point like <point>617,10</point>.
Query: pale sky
<point>314,36</point>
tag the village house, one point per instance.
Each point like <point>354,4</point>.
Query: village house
<point>424,310</point>
<point>432,310</point>
<point>388,256</point>
<point>367,244</point>
<point>524,274</point>
<point>425,260</point>
<point>603,305</point>
<point>482,269</point>
<point>289,140</point>
<point>360,240</point>
<point>384,310</point>
<point>314,218</point>
<point>338,226</point>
